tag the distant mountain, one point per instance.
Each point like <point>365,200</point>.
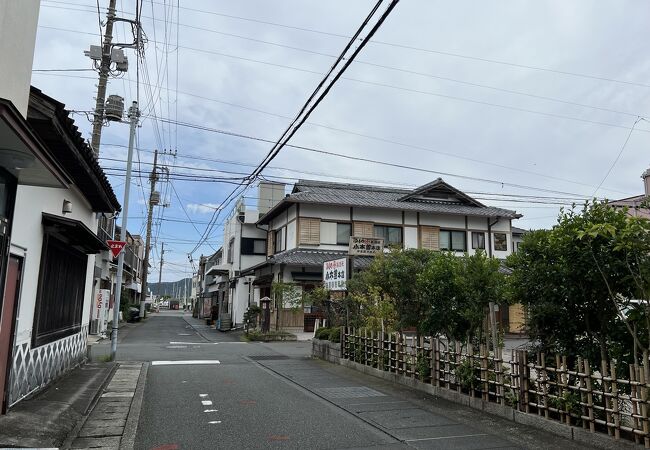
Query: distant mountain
<point>174,289</point>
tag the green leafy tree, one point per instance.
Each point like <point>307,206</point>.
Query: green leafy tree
<point>576,281</point>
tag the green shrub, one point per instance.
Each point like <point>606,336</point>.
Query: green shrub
<point>323,333</point>
<point>468,373</point>
<point>335,335</point>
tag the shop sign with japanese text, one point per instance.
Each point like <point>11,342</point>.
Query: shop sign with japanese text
<point>335,274</point>
<point>363,246</point>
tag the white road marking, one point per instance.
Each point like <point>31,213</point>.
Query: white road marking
<point>194,343</point>
<point>210,410</point>
<point>176,346</point>
<point>206,402</point>
<point>117,394</point>
<point>203,395</point>
<point>184,334</point>
<point>189,362</point>
<point>446,437</point>
<point>215,421</point>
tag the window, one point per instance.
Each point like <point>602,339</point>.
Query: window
<point>61,288</point>
<point>452,240</point>
<point>251,246</point>
<point>343,233</point>
<point>231,250</point>
<point>391,235</point>
<point>478,240</point>
<point>363,229</point>
<point>429,237</point>
<point>309,231</point>
<point>500,241</point>
<point>279,240</point>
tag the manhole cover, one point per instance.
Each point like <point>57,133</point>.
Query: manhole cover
<point>349,392</point>
<point>268,357</point>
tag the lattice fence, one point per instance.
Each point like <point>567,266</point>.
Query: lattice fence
<point>596,398</point>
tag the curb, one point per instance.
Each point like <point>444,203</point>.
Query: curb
<point>72,435</point>
<point>128,436</point>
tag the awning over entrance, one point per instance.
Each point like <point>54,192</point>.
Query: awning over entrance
<point>74,232</point>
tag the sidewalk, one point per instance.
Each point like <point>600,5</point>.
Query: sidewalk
<point>114,419</point>
<point>412,418</point>
<point>46,420</point>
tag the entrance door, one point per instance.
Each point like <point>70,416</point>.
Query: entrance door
<point>7,324</point>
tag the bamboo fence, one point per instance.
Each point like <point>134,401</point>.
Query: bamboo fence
<point>595,398</point>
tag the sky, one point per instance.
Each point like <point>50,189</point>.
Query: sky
<point>530,105</point>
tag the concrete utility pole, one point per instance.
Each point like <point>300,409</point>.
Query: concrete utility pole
<point>134,114</point>
<point>104,70</point>
<point>162,254</point>
<point>147,246</point>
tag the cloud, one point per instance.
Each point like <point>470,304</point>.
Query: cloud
<point>202,208</point>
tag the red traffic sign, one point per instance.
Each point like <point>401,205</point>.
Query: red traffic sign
<point>116,247</point>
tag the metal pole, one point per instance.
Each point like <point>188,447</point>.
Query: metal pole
<point>104,69</point>
<point>147,245</point>
<point>134,114</point>
<point>162,253</point>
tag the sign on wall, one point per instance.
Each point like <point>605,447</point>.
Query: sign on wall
<point>335,274</point>
<point>363,246</point>
<point>102,304</point>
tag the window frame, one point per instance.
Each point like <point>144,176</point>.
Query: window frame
<point>58,255</point>
<point>504,248</point>
<point>349,225</point>
<point>231,250</point>
<point>451,232</point>
<point>247,246</point>
<point>280,244</point>
<point>480,245</point>
<point>387,243</point>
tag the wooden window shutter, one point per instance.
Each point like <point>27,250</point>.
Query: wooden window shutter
<point>363,229</point>
<point>270,243</point>
<point>309,232</point>
<point>429,238</point>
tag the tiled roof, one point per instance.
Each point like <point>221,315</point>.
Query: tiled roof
<point>342,194</point>
<point>313,258</point>
<point>517,230</point>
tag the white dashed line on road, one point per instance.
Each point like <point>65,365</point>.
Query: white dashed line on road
<point>215,421</point>
<point>188,362</point>
<point>206,402</point>
<point>210,410</point>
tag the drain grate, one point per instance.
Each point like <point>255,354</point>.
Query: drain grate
<point>268,357</point>
<point>348,392</point>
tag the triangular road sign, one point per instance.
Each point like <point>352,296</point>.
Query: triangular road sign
<point>116,247</point>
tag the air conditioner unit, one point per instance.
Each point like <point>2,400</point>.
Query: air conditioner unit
<point>94,326</point>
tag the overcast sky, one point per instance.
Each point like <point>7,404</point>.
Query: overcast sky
<point>541,94</point>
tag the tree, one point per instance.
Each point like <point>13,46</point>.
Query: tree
<point>576,280</point>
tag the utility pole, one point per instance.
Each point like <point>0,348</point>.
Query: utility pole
<point>162,259</point>
<point>147,246</point>
<point>104,70</point>
<point>134,114</point>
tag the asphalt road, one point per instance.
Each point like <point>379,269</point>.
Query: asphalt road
<point>207,389</point>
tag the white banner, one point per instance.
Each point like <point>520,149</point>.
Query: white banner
<point>335,274</point>
<point>363,246</point>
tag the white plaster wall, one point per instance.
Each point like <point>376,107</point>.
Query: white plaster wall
<point>410,218</point>
<point>410,237</point>
<point>501,225</point>
<point>18,20</point>
<point>377,215</point>
<point>477,223</point>
<point>31,202</point>
<point>240,300</point>
<point>251,231</point>
<point>325,212</point>
<point>292,212</point>
<point>328,233</point>
<point>291,235</point>
<point>443,221</point>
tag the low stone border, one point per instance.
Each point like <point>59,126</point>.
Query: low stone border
<point>131,426</point>
<point>331,352</point>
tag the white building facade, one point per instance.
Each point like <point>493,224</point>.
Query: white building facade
<point>315,222</point>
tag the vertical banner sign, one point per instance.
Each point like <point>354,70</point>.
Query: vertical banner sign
<point>102,305</point>
<point>335,274</point>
